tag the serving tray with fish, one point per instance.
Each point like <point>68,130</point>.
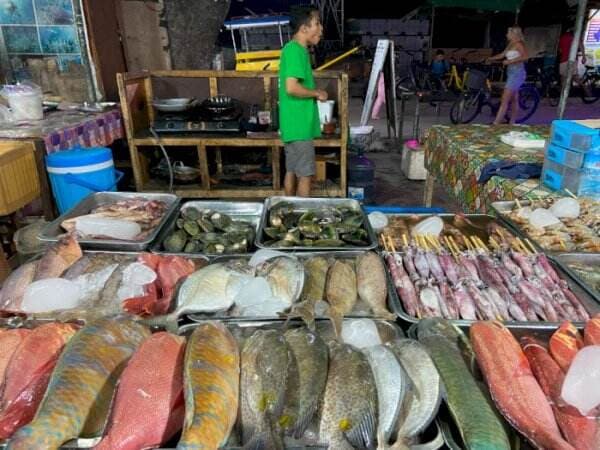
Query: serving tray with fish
<point>286,371</point>
<point>314,224</point>
<point>149,212</point>
<point>307,285</point>
<point>564,225</point>
<point>521,287</point>
<point>211,228</point>
<point>583,267</point>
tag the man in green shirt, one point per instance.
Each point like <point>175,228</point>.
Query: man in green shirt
<point>298,115</point>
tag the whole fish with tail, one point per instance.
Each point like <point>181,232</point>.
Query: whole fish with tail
<point>480,427</point>
<point>313,291</point>
<point>211,387</point>
<point>79,394</point>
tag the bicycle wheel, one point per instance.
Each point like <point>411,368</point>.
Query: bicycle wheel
<point>590,89</point>
<point>553,93</point>
<point>529,99</point>
<point>404,85</point>
<point>465,108</point>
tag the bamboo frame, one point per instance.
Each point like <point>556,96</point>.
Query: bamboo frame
<point>136,95</point>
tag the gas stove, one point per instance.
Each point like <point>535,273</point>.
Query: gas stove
<point>214,115</point>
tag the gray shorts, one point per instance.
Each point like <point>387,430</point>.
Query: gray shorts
<point>300,158</point>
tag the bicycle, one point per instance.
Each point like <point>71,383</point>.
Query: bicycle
<point>590,85</point>
<point>478,93</point>
<point>545,79</point>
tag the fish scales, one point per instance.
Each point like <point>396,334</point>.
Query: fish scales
<point>479,426</point>
<point>341,292</point>
<point>80,390</point>
<point>211,387</point>
<point>372,284</point>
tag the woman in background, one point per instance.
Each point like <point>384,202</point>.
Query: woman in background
<point>513,57</point>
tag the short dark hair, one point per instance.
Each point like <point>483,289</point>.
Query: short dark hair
<point>440,52</point>
<point>301,15</point>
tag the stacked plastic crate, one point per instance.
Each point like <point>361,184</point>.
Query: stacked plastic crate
<point>572,159</point>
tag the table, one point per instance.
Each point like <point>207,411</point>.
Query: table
<point>62,130</point>
<point>455,156</point>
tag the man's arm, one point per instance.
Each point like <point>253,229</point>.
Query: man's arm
<point>294,87</point>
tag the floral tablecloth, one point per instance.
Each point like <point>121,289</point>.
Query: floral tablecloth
<point>62,130</point>
<point>455,156</point>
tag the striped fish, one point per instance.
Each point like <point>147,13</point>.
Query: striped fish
<point>78,397</point>
<point>479,425</point>
<point>211,380</point>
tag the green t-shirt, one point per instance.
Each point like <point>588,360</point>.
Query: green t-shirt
<point>298,117</point>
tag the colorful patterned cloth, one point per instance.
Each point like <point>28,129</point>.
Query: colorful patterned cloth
<point>455,155</point>
<point>62,130</point>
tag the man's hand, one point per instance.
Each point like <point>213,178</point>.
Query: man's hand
<point>321,95</point>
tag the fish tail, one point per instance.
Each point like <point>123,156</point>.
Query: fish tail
<point>337,319</point>
<point>305,310</point>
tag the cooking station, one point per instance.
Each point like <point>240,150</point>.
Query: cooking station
<point>208,111</point>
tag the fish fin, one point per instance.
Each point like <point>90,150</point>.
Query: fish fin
<point>305,311</point>
<point>337,318</point>
<point>361,435</point>
<point>304,421</point>
<point>264,440</point>
<point>435,444</point>
<point>446,433</point>
<point>381,442</point>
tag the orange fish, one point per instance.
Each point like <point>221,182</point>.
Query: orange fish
<point>58,258</point>
<point>9,341</point>
<point>211,380</point>
<point>28,373</point>
<point>591,334</point>
<point>82,385</point>
<point>564,344</point>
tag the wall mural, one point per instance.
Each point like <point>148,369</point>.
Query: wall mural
<point>41,28</point>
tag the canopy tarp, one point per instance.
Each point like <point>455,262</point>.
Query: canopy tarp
<point>489,5</point>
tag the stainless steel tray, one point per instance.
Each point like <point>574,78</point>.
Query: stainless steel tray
<point>503,208</point>
<point>53,230</point>
<point>590,303</point>
<point>250,212</point>
<point>393,304</point>
<point>589,259</point>
<point>303,204</point>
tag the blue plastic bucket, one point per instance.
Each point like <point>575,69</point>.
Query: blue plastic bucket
<point>74,174</point>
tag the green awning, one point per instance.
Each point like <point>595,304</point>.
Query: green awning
<point>489,5</point>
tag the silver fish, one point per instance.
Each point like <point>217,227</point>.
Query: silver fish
<point>285,275</point>
<point>349,412</point>
<point>392,384</point>
<point>424,394</point>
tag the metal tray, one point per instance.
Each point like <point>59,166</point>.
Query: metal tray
<point>393,304</point>
<point>589,259</point>
<point>591,303</point>
<point>247,211</point>
<point>503,208</point>
<point>53,230</point>
<point>304,204</point>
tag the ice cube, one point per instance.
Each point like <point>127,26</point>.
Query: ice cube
<point>541,218</point>
<point>267,308</point>
<point>255,292</point>
<point>361,333</point>
<point>51,294</point>
<point>138,273</point>
<point>581,387</point>
<point>91,225</point>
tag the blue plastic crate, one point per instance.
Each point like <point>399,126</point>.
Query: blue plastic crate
<point>584,182</point>
<point>573,159</point>
<point>575,136</point>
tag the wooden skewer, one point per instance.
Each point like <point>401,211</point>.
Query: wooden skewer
<point>494,244</point>
<point>570,193</point>
<point>434,244</point>
<point>405,240</point>
<point>425,245</point>
<point>563,244</point>
<point>482,244</point>
<point>392,246</point>
<point>385,244</point>
<point>531,246</point>
<point>454,244</point>
<point>524,249</point>
<point>518,203</point>
<point>467,243</point>
<point>475,243</point>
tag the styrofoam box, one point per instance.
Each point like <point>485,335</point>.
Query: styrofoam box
<point>413,164</point>
<point>575,136</point>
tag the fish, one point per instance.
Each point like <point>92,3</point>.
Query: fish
<point>564,344</point>
<point>341,293</point>
<point>424,389</point>
<point>151,382</point>
<point>311,355</point>
<point>372,284</point>
<point>58,258</point>
<point>314,290</point>
<point>205,291</point>
<point>266,365</point>
<point>169,270</point>
<point>212,383</point>
<point>479,426</point>
<point>349,411</point>
<point>285,275</point>
<point>9,341</point>
<point>28,374</point>
<point>14,287</point>
<point>404,285</point>
<point>591,333</point>
<point>392,383</point>
<point>514,389</point>
<point>581,432</point>
<point>80,391</point>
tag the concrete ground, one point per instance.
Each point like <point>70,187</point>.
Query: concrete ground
<point>393,188</point>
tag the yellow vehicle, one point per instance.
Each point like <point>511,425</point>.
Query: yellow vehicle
<point>255,60</point>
